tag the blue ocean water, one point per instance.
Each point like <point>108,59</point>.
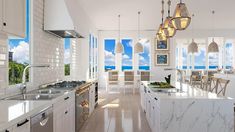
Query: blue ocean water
<point>127,68</point>
<point>201,67</point>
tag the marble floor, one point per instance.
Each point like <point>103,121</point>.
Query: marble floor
<point>117,112</point>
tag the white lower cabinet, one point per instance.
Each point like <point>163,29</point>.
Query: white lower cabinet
<point>64,114</point>
<point>151,105</point>
<point>92,98</point>
<point>22,126</point>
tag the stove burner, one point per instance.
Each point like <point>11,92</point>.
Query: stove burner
<point>66,84</point>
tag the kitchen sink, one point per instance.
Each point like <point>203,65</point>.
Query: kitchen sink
<point>33,97</point>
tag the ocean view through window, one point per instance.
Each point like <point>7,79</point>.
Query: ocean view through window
<point>144,58</point>
<point>127,55</point>
<point>109,55</point>
<point>18,50</point>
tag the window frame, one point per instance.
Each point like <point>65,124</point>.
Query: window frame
<point>29,19</point>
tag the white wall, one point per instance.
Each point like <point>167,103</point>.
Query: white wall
<point>49,49</point>
<point>157,72</point>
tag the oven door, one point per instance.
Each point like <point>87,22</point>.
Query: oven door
<point>82,108</point>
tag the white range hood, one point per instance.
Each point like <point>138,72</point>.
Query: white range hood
<point>58,21</point>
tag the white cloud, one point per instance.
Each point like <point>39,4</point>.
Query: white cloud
<point>130,44</point>
<point>126,56</point>
<point>109,58</point>
<point>67,56</point>
<point>21,52</point>
<point>142,58</point>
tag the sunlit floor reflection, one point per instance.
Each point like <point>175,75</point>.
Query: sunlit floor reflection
<point>117,113</point>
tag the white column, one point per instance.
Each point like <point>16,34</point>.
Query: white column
<point>233,54</point>
<point>180,62</point>
<point>118,62</point>
<point>193,61</point>
<point>136,62</point>
<point>207,56</point>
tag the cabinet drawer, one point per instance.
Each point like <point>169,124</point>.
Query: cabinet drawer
<point>66,99</point>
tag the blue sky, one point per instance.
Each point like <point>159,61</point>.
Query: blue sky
<point>67,44</point>
<point>127,55</point>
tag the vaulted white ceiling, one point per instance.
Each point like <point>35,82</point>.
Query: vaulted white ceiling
<point>104,13</point>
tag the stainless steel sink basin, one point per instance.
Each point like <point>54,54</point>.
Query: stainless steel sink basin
<point>33,97</point>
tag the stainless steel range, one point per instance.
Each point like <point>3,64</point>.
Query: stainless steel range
<point>82,98</point>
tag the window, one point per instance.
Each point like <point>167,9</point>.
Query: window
<point>144,58</point>
<point>127,55</point>
<point>228,55</point>
<point>200,58</point>
<point>67,56</point>
<point>213,60</point>
<point>18,49</point>
<point>109,59</point>
<point>184,57</point>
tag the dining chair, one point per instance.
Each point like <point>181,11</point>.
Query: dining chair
<point>113,79</point>
<point>195,78</point>
<point>222,85</point>
<point>144,76</point>
<point>205,82</point>
<point>129,80</point>
<point>213,85</point>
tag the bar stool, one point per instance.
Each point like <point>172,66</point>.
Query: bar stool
<point>129,79</point>
<point>221,86</point>
<point>113,79</point>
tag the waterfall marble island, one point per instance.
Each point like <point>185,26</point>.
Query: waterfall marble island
<point>192,110</point>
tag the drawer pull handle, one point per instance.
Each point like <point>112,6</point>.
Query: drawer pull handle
<point>156,98</point>
<point>7,131</point>
<point>21,124</point>
<point>66,112</point>
<point>4,24</point>
<point>148,91</point>
<point>66,98</point>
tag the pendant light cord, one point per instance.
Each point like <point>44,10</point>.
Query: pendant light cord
<point>213,23</point>
<point>192,26</point>
<point>162,10</point>
<point>169,8</point>
<point>139,25</point>
<point>119,29</point>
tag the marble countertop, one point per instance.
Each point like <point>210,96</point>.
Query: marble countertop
<point>188,93</point>
<point>14,111</point>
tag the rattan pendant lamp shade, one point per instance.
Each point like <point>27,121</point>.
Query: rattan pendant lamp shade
<point>181,18</point>
<point>168,27</point>
<point>119,47</point>
<point>138,46</point>
<point>193,46</point>
<point>161,36</point>
<point>213,46</point>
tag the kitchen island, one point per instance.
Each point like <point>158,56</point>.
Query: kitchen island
<point>192,110</point>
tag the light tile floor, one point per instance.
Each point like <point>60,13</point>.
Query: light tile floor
<point>117,113</point>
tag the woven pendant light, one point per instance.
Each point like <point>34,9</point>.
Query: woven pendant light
<point>181,18</point>
<point>119,47</point>
<point>193,47</point>
<point>138,46</point>
<point>213,46</point>
<point>168,27</point>
<point>161,36</point>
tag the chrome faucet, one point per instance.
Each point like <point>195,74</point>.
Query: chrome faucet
<point>181,76</point>
<point>23,87</point>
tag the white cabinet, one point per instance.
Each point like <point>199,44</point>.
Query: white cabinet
<point>64,114</point>
<point>92,98</point>
<point>23,126</point>
<point>8,130</point>
<point>13,17</point>
<point>151,105</point>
